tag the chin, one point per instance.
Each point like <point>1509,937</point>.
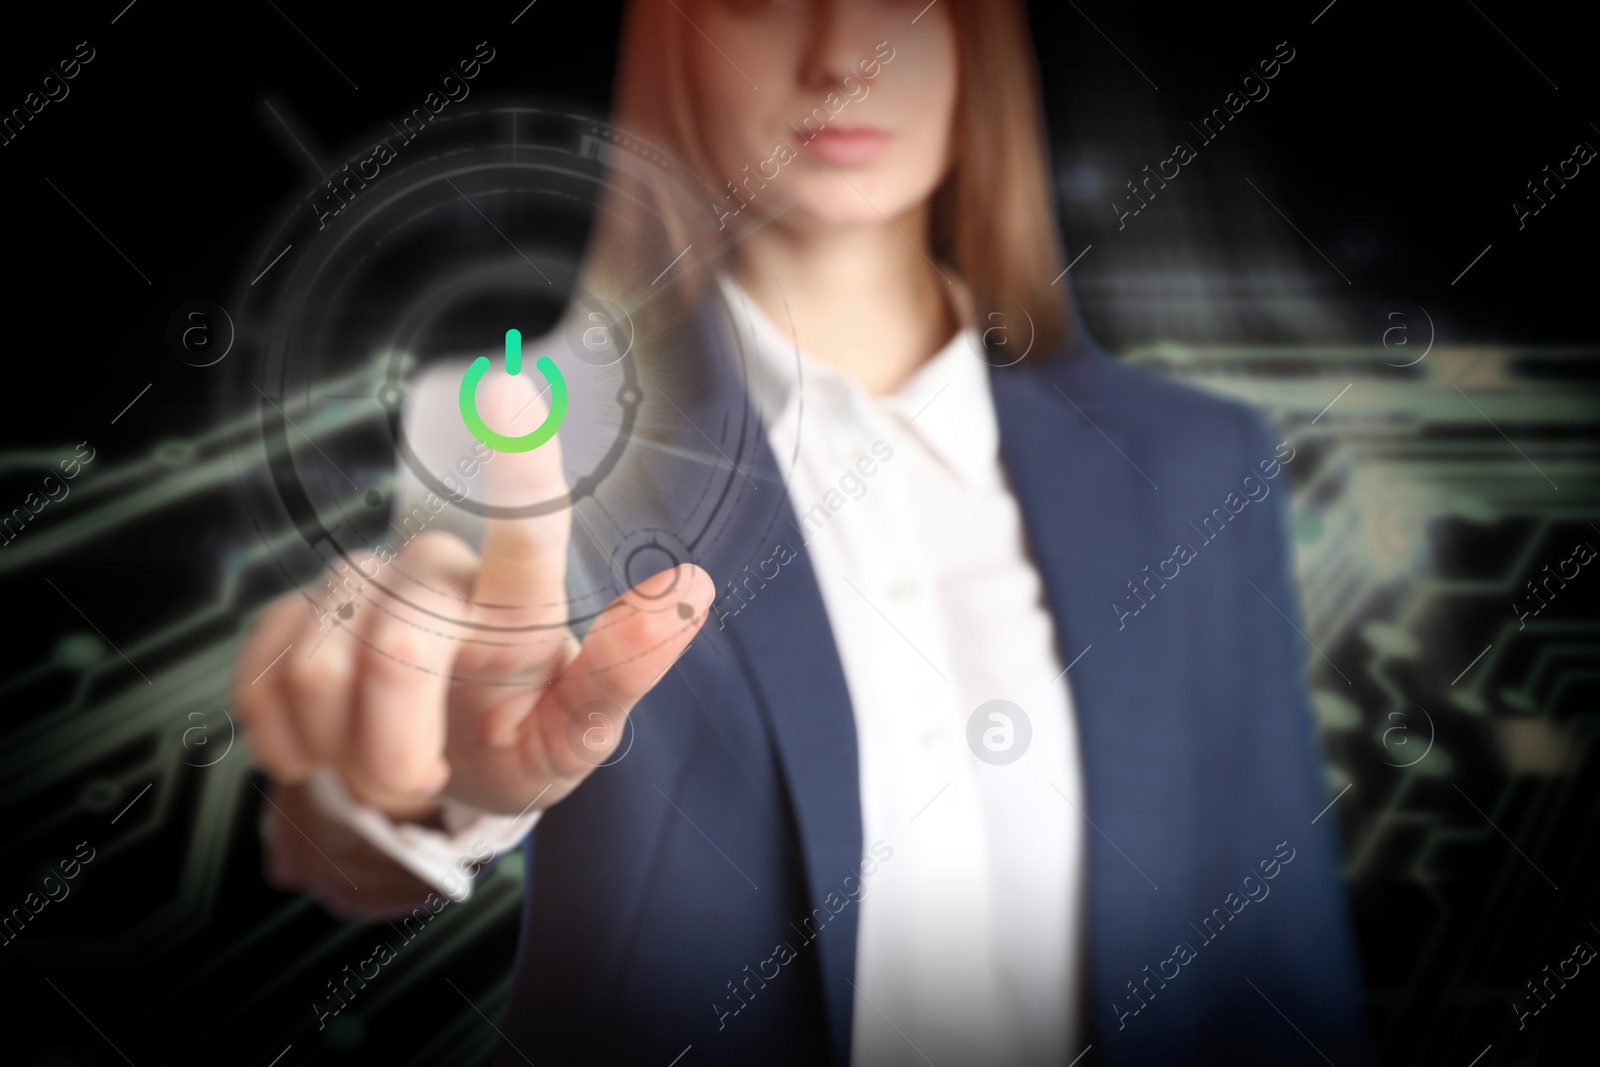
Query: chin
<point>830,203</point>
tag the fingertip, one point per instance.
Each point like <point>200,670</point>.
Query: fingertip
<point>686,581</point>
<point>699,590</point>
<point>682,593</point>
<point>515,407</point>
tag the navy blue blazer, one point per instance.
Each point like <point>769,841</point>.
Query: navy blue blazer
<point>693,892</point>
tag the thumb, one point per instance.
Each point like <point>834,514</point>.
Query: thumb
<point>630,647</point>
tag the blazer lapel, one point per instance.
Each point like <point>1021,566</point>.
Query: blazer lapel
<point>1088,512</point>
<point>774,629</point>
<point>785,648</point>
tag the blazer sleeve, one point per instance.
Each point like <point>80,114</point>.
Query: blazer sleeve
<point>1305,964</point>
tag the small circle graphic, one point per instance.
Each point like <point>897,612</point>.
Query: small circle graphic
<point>999,732</point>
<point>600,333</point>
<point>200,333</point>
<point>1394,747</point>
<point>196,737</point>
<point>650,559</point>
<point>1005,334</point>
<point>647,552</point>
<point>594,731</point>
<point>1406,332</point>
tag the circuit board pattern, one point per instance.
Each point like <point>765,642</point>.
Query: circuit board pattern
<point>1430,501</point>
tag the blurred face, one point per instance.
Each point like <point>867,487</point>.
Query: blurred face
<point>798,100</point>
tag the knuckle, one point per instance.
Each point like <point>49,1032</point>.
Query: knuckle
<point>437,544</point>
<point>359,782</point>
<point>270,756</point>
<point>246,706</point>
<point>255,714</point>
<point>316,675</point>
<point>396,651</point>
<point>439,553</point>
<point>375,778</point>
<point>408,770</point>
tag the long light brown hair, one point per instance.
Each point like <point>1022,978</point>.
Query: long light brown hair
<point>993,216</point>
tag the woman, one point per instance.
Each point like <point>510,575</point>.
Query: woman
<point>912,794</point>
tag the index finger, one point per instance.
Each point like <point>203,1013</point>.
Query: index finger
<point>522,580</point>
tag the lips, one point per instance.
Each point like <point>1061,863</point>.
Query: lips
<point>847,146</point>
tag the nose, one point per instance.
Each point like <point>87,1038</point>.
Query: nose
<point>834,40</point>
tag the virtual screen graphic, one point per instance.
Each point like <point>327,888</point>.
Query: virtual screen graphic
<point>814,532</point>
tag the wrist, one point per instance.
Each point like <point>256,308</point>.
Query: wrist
<point>425,811</point>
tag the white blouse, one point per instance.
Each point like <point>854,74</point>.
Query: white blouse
<point>971,932</point>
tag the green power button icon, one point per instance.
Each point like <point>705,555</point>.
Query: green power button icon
<point>498,441</point>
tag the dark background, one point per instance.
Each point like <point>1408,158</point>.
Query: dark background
<point>1395,141</point>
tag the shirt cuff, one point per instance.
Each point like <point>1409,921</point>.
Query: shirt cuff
<point>445,859</point>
